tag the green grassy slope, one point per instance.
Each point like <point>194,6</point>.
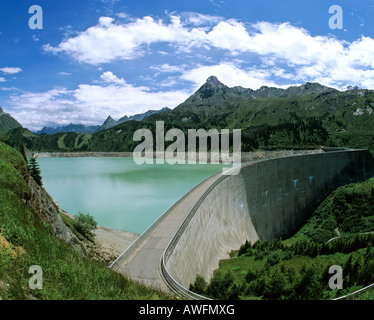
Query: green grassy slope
<point>25,240</point>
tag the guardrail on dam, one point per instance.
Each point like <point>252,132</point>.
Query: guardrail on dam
<point>268,199</point>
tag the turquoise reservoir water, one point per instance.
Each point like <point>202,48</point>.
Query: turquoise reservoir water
<point>117,192</point>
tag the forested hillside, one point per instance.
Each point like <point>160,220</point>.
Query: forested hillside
<point>303,117</point>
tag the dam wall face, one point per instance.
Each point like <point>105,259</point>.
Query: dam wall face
<point>268,199</point>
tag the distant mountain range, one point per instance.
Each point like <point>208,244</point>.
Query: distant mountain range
<point>80,128</point>
<point>108,123</point>
<point>212,87</point>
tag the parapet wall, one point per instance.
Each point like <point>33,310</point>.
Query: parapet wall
<point>268,199</point>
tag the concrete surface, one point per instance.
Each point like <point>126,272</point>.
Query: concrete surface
<point>268,199</point>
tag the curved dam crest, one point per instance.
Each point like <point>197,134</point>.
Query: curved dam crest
<point>268,199</point>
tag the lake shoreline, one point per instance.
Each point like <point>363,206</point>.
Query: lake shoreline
<point>245,156</point>
<point>43,155</point>
<point>109,243</point>
<point>113,241</point>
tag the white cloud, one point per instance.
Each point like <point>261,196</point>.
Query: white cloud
<point>120,100</point>
<point>105,22</point>
<point>122,15</point>
<point>64,73</point>
<point>169,82</point>
<point>214,3</point>
<point>2,79</point>
<point>230,35</point>
<point>107,41</point>
<point>109,77</point>
<point>36,109</point>
<point>10,70</point>
<point>89,104</point>
<point>230,75</point>
<point>199,19</point>
<point>307,57</point>
<point>317,56</point>
<point>9,89</point>
<point>361,52</point>
<point>167,68</point>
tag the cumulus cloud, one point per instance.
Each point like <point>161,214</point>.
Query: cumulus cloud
<point>10,70</point>
<point>230,35</point>
<point>36,109</point>
<point>89,104</point>
<point>109,77</point>
<point>309,58</point>
<point>107,41</point>
<point>167,68</point>
<point>231,75</point>
<point>127,99</point>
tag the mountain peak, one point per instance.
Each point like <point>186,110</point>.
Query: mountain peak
<point>210,88</point>
<point>213,80</point>
<point>108,123</point>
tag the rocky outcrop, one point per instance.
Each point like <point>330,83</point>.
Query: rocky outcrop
<point>47,210</point>
<point>107,245</point>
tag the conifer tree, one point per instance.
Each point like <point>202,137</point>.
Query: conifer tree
<point>35,171</point>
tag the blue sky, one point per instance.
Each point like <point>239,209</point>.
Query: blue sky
<point>114,57</point>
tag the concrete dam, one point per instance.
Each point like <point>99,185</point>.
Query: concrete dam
<point>268,199</point>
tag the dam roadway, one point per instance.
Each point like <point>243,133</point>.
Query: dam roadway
<point>142,261</point>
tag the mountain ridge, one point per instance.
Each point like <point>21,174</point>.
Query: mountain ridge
<point>80,128</point>
<point>214,93</point>
<point>214,86</point>
<point>110,122</point>
<point>7,122</point>
<point>107,124</point>
<point>306,116</point>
